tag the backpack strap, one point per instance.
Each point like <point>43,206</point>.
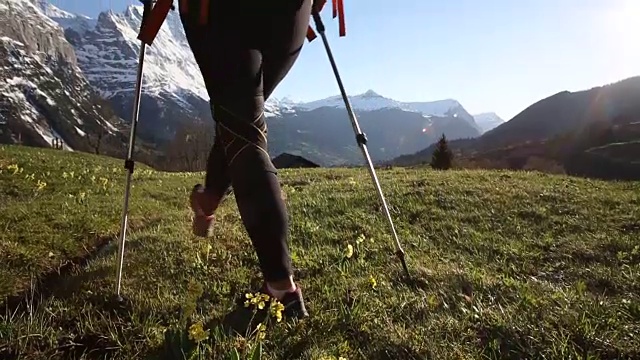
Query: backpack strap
<point>337,11</point>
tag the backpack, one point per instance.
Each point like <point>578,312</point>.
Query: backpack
<point>156,16</point>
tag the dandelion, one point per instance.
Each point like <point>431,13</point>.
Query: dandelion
<point>372,281</point>
<point>360,239</point>
<point>349,251</point>
<point>197,332</point>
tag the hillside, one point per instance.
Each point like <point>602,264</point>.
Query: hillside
<point>562,128</point>
<point>504,265</point>
<point>324,135</point>
<point>43,93</point>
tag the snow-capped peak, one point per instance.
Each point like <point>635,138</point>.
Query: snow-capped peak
<point>367,101</point>
<point>371,100</point>
<point>371,94</point>
<point>488,121</point>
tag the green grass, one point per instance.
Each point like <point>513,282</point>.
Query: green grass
<point>504,265</point>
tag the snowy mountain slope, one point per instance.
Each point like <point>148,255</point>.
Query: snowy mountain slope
<point>370,101</point>
<point>43,94</point>
<point>107,49</point>
<point>488,121</point>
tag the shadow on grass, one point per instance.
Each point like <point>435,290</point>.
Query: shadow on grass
<point>58,282</point>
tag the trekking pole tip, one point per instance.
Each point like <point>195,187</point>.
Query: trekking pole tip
<point>403,260</point>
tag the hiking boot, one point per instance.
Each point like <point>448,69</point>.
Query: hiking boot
<point>202,220</point>
<point>293,302</point>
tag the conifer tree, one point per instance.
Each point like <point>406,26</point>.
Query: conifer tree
<point>442,157</point>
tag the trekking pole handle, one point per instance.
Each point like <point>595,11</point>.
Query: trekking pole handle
<point>147,5</point>
<point>318,20</point>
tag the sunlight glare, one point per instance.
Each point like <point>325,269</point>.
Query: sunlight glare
<point>623,19</point>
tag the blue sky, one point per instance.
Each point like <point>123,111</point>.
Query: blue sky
<point>491,55</point>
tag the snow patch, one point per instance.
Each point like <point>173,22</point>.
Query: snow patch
<point>80,132</point>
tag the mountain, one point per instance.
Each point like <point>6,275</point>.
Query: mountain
<point>488,121</point>
<point>324,135</point>
<point>567,112</point>
<point>108,49</point>
<point>321,130</point>
<point>174,96</point>
<point>371,101</point>
<point>591,132</point>
<point>43,93</point>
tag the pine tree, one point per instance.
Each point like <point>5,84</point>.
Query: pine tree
<point>442,157</point>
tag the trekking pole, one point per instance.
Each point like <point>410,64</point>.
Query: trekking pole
<point>361,138</point>
<point>129,162</point>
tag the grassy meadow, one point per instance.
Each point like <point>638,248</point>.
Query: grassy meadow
<point>504,265</point>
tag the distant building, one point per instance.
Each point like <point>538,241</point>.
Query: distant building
<point>286,160</point>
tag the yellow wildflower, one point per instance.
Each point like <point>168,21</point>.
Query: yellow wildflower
<point>349,252</point>
<point>16,169</point>
<point>197,333</point>
<point>276,309</point>
<point>360,239</point>
<point>40,185</point>
<point>256,299</point>
<point>372,281</point>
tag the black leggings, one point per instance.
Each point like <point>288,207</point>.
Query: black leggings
<point>244,50</point>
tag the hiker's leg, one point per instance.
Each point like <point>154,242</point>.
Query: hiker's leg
<point>287,29</point>
<point>236,89</point>
<point>287,34</point>
<point>217,178</point>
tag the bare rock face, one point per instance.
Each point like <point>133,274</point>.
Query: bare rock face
<point>45,100</point>
<point>23,21</point>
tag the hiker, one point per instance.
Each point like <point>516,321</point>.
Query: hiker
<point>244,49</point>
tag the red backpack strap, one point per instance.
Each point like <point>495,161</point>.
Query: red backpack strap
<point>337,11</point>
<point>151,26</point>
